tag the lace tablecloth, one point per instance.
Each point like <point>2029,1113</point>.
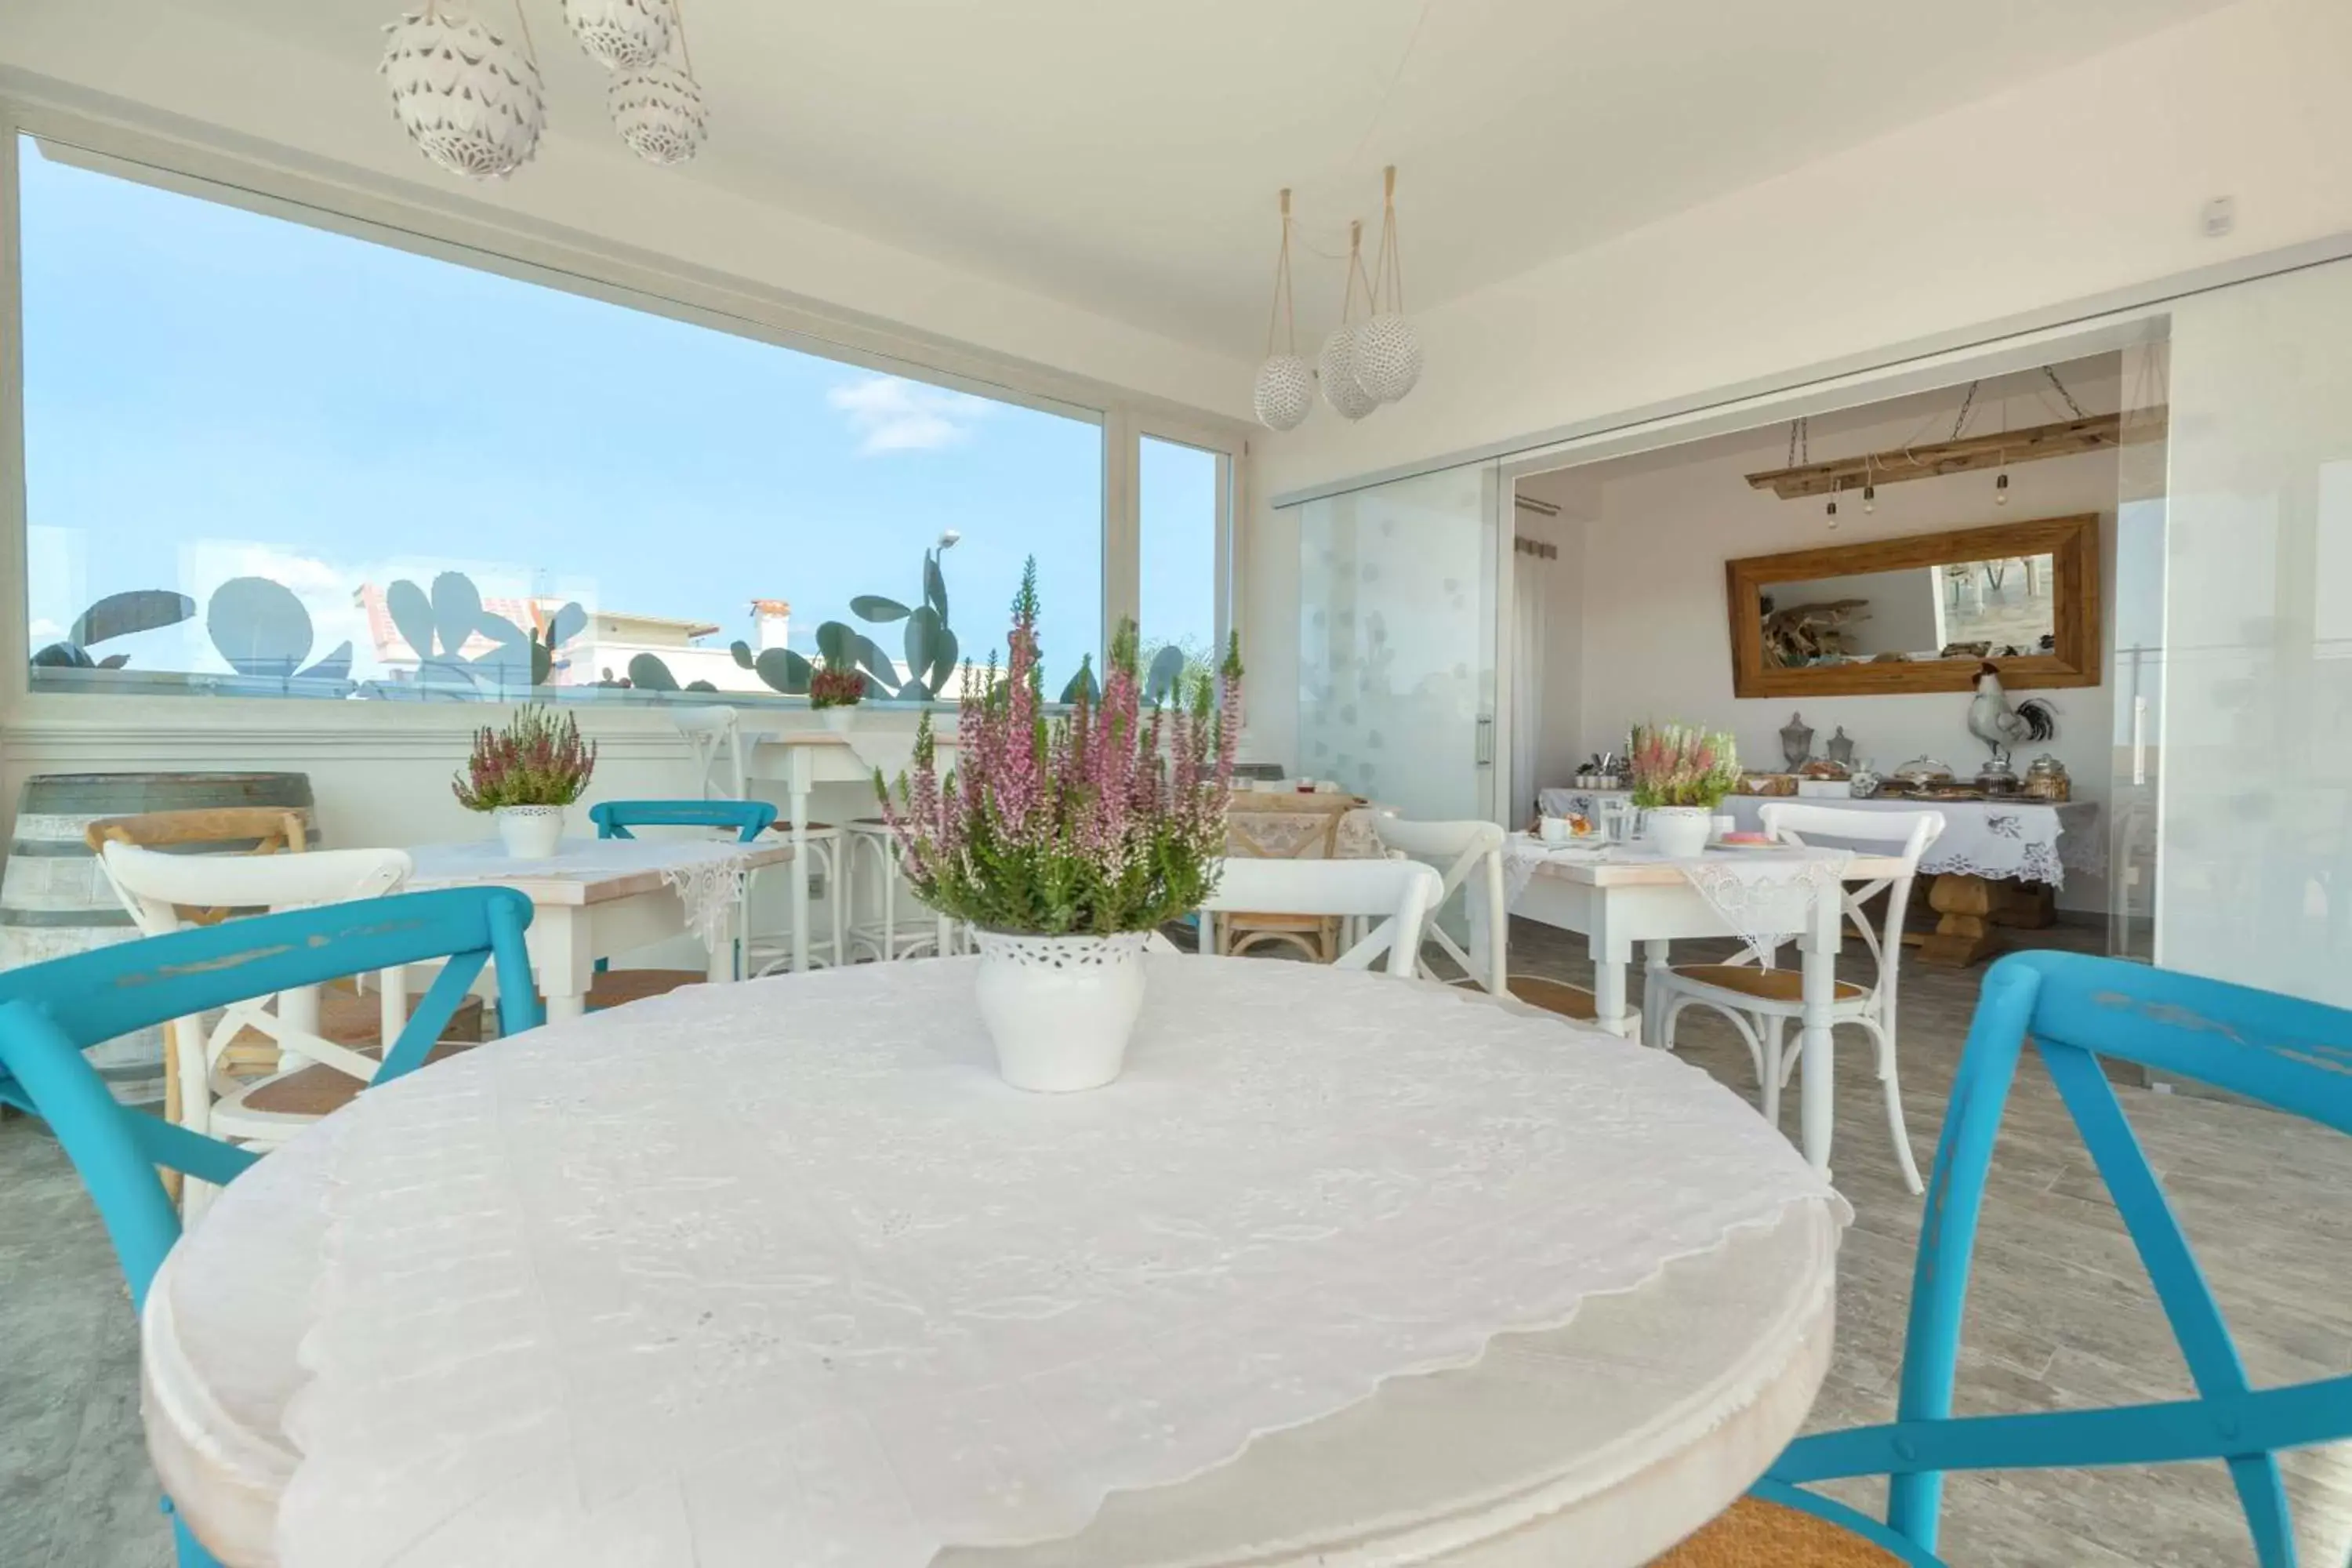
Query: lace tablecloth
<point>781,1272</point>
<point>707,874</point>
<point>1762,895</point>
<point>2028,840</point>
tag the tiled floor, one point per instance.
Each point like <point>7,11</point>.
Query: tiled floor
<point>2059,1313</point>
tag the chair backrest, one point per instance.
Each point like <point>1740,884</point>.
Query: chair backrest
<point>158,889</point>
<point>2293,1056</point>
<point>1269,825</point>
<point>714,735</point>
<point>1900,835</point>
<point>1402,891</point>
<point>50,1013</point>
<point>747,819</point>
<point>1461,850</point>
<point>220,832</point>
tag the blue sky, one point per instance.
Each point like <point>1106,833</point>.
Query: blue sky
<point>210,393</point>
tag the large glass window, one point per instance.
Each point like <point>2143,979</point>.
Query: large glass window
<point>1182,497</point>
<point>266,458</point>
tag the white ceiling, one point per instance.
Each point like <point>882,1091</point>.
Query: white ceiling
<point>1125,156</point>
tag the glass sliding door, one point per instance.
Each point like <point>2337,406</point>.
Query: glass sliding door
<point>2138,669</point>
<point>2254,868</point>
<point>1396,662</point>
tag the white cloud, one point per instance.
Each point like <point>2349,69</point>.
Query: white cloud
<point>893,414</point>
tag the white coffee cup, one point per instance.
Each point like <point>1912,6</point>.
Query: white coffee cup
<point>1555,830</point>
<point>1724,826</point>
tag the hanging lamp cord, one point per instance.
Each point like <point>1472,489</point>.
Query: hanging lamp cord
<point>1280,315</point>
<point>677,24</point>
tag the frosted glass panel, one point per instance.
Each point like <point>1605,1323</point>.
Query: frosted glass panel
<point>1396,642</point>
<point>2254,873</point>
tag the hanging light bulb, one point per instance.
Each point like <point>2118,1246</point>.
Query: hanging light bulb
<point>2000,490</point>
<point>1870,498</point>
<point>1832,512</point>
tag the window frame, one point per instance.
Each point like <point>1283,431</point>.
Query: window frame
<point>466,232</point>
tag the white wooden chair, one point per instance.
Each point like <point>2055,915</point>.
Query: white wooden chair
<point>881,931</point>
<point>314,1074</point>
<point>714,736</point>
<point>1399,893</point>
<point>1462,851</point>
<point>1759,1000</point>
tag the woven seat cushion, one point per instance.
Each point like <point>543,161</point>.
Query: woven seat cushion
<point>318,1090</point>
<point>1555,996</point>
<point>1753,1533</point>
<point>348,1017</point>
<point>618,987</point>
<point>1765,985</point>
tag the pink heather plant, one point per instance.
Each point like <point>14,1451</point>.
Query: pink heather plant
<point>1675,765</point>
<point>1105,818</point>
<point>538,758</point>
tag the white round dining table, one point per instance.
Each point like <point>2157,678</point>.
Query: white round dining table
<point>1345,1269</point>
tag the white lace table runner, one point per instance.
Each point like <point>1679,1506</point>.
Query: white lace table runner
<point>782,1273</point>
<point>706,875</point>
<point>2027,840</point>
<point>1762,895</point>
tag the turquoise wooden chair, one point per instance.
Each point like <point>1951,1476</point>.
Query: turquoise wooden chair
<point>748,818</point>
<point>50,1012</point>
<point>2293,1056</point>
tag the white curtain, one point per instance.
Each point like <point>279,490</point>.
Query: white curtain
<point>1530,601</point>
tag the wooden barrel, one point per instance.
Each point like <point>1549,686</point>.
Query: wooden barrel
<point>54,901</point>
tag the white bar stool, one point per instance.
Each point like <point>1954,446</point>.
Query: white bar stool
<point>771,952</point>
<point>883,937</point>
<point>714,735</point>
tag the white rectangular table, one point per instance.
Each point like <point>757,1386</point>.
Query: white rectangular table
<point>1618,903</point>
<point>801,761</point>
<point>596,898</point>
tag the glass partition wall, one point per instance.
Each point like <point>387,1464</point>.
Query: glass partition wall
<point>1398,584</point>
<point>2253,876</point>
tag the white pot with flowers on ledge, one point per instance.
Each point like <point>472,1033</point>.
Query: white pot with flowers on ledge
<point>835,690</point>
<point>1680,775</point>
<point>526,777</point>
<point>1066,841</point>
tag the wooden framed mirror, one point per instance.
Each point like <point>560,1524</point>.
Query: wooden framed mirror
<point>1920,614</point>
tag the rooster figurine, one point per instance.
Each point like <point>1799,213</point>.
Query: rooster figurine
<point>1999,724</point>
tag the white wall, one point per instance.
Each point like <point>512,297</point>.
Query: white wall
<point>1657,642</point>
<point>2089,179</point>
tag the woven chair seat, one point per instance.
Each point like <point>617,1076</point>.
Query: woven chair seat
<point>1764,984</point>
<point>1555,996</point>
<point>619,987</point>
<point>318,1090</point>
<point>1753,1533</point>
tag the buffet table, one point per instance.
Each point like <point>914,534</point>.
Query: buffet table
<point>1984,843</point>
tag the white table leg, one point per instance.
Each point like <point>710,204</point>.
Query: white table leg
<point>721,966</point>
<point>562,956</point>
<point>797,794</point>
<point>1819,947</point>
<point>1653,988</point>
<point>1611,954</point>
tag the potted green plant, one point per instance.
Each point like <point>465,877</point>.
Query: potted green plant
<point>525,776</point>
<point>835,689</point>
<point>1066,840</point>
<point>1680,775</point>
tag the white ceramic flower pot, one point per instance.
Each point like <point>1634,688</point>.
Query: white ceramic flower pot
<point>1060,1009</point>
<point>530,832</point>
<point>1680,832</point>
<point>841,718</point>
